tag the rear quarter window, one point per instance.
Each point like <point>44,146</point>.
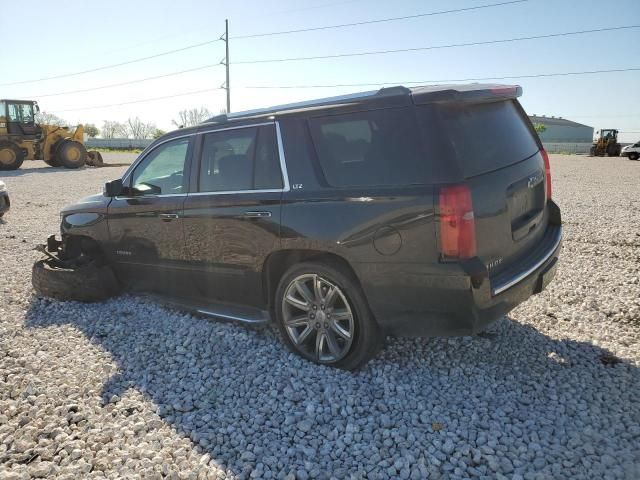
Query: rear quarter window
<point>372,148</point>
<point>485,137</point>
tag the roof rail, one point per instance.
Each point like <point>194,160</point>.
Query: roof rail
<point>398,90</point>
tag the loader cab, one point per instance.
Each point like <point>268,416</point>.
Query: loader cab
<point>609,134</point>
<point>19,118</point>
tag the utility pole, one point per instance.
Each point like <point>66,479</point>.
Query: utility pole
<point>226,63</point>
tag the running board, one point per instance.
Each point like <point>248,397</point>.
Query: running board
<point>235,313</point>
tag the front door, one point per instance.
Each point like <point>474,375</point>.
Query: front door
<point>145,224</point>
<point>232,223</point>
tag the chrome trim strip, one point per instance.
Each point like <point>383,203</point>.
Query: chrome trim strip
<point>163,195</point>
<point>229,192</point>
<point>522,275</point>
<point>215,129</point>
<point>233,317</point>
<point>283,163</point>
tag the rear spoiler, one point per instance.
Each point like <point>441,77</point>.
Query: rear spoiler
<point>465,94</point>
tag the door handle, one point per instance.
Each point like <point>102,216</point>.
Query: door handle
<point>167,217</point>
<point>261,214</point>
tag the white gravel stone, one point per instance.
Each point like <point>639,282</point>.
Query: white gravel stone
<point>128,389</point>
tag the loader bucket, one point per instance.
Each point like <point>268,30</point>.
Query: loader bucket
<point>94,159</point>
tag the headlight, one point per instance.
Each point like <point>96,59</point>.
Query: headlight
<point>3,187</point>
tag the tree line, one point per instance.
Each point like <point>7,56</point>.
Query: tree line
<point>133,127</point>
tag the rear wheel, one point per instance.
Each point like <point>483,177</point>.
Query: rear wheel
<point>11,156</point>
<point>71,154</point>
<point>52,162</point>
<point>324,317</point>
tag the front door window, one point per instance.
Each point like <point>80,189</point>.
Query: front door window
<point>162,171</point>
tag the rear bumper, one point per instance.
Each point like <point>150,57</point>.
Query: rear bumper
<point>408,303</point>
<point>5,203</point>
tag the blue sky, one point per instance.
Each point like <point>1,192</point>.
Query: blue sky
<point>62,37</point>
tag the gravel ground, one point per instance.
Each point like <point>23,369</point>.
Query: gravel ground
<point>129,389</point>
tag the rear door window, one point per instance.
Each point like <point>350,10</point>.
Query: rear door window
<point>486,136</point>
<point>239,160</point>
<point>378,147</point>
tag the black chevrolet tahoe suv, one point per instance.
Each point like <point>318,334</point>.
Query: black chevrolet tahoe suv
<point>403,211</point>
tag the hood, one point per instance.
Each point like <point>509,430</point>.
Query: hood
<point>93,203</point>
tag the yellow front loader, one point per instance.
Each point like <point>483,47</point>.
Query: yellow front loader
<point>21,138</point>
<point>606,144</point>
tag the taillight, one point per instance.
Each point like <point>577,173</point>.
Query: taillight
<point>547,172</point>
<point>457,224</point>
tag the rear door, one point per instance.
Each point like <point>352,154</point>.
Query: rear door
<point>494,149</point>
<point>232,221</point>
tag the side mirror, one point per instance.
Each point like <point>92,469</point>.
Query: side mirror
<point>113,188</point>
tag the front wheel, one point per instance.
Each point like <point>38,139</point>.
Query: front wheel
<point>633,156</point>
<point>83,282</point>
<point>71,154</point>
<point>324,317</point>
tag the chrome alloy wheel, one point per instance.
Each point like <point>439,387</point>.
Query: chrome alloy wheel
<point>318,318</point>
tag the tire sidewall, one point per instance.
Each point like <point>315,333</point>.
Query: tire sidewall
<point>366,340</point>
<point>17,163</point>
<point>87,283</point>
<point>61,158</point>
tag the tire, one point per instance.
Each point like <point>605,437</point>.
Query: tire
<point>11,156</point>
<point>86,283</point>
<point>52,162</point>
<point>633,156</point>
<point>301,336</point>
<point>592,152</point>
<point>613,151</point>
<point>71,154</point>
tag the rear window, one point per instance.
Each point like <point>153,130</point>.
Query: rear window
<point>486,136</point>
<point>379,147</point>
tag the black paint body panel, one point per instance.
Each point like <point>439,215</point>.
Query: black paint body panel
<point>389,236</point>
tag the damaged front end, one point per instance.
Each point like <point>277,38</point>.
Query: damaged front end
<point>71,252</point>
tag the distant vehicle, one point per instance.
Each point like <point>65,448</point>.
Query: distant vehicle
<point>5,203</point>
<point>22,138</point>
<point>606,144</point>
<point>631,151</point>
<point>411,212</point>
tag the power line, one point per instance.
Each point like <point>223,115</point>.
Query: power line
<point>420,82</point>
<point>105,67</point>
<point>435,47</point>
<point>112,85</point>
<point>95,107</point>
<point>382,20</point>
<point>188,47</point>
<point>359,85</point>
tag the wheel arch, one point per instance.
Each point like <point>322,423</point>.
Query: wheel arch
<point>75,244</point>
<point>278,262</point>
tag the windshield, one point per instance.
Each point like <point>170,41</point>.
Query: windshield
<point>20,112</point>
